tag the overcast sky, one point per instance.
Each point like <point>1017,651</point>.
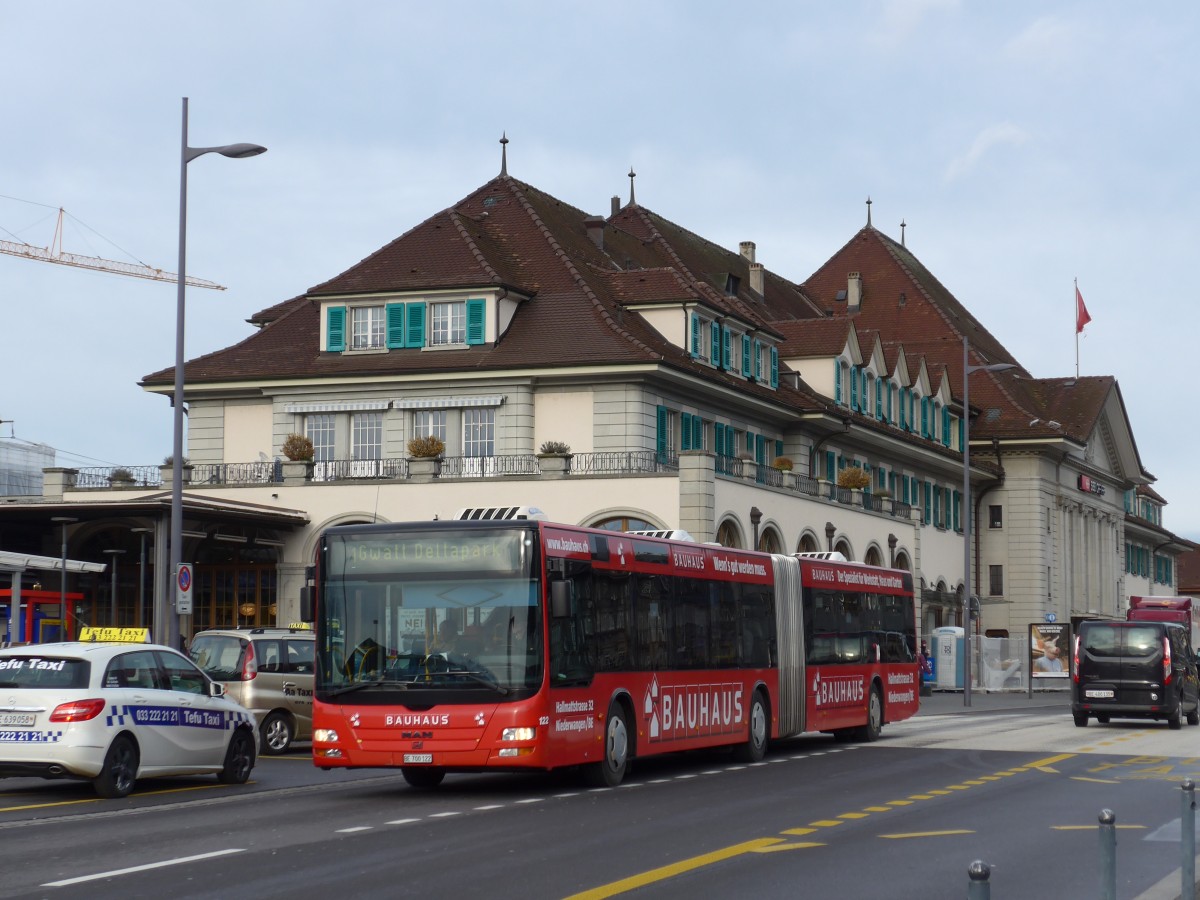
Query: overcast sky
<point>1025,144</point>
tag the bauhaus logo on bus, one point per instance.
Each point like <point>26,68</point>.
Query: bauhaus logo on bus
<point>837,690</point>
<point>677,711</point>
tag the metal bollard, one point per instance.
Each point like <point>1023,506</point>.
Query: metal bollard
<point>978,887</point>
<point>1187,840</point>
<point>1108,855</point>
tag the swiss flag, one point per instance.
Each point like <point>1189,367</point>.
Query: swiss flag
<point>1081,314</point>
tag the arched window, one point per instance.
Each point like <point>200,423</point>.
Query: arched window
<point>843,548</point>
<point>728,534</point>
<point>770,542</point>
<point>623,523</point>
<point>873,558</point>
<point>808,544</point>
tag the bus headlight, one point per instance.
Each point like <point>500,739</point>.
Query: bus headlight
<point>518,734</point>
<point>325,736</point>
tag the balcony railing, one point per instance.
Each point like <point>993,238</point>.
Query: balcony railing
<point>623,462</point>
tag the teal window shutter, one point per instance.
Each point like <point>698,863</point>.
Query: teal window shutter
<point>854,388</point>
<point>749,441</point>
<point>774,367</point>
<point>756,355</point>
<point>685,431</point>
<point>903,418</point>
<point>414,334</point>
<point>867,488</point>
<point>726,349</point>
<point>718,439</point>
<point>746,366</point>
<point>476,321</point>
<point>695,335</point>
<point>660,440</point>
<point>394,322</point>
<point>927,506</point>
<point>837,382</point>
<point>760,449</point>
<point>335,329</point>
<point>924,417</point>
<point>830,473</point>
<point>778,448</point>
<point>715,335</point>
<point>879,399</point>
<point>890,391</point>
<point>946,426</point>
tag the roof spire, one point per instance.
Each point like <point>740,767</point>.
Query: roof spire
<point>632,198</point>
<point>504,154</point>
<point>902,244</point>
<point>868,211</point>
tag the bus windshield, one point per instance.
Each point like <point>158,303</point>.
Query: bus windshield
<point>451,611</point>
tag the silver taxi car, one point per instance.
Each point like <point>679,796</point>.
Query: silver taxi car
<point>112,713</point>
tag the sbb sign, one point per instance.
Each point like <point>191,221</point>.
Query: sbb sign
<point>1090,486</point>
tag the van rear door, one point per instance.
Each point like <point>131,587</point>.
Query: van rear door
<point>1121,663</point>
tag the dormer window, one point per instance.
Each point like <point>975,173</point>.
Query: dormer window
<point>448,323</point>
<point>366,328</point>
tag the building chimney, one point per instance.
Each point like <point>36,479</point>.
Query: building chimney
<point>615,205</point>
<point>756,276</point>
<point>747,249</point>
<point>853,291</point>
<point>595,230</point>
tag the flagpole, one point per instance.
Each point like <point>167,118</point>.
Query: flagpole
<point>1075,301</point>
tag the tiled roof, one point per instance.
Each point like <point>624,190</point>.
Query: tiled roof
<point>807,338</point>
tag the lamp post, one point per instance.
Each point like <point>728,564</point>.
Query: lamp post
<point>64,521</point>
<point>141,610</point>
<point>968,513</point>
<point>113,554</point>
<point>755,520</point>
<point>187,154</point>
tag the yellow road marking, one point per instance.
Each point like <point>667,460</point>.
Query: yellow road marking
<point>1095,780</point>
<point>1051,760</point>
<point>825,823</point>
<point>921,797</point>
<point>877,808</point>
<point>1047,769</point>
<point>664,872</point>
<point>899,803</point>
<point>197,787</point>
<point>48,805</point>
<point>921,834</point>
<point>989,777</point>
<point>852,816</point>
<point>776,847</point>
<point>939,793</point>
<point>798,831</point>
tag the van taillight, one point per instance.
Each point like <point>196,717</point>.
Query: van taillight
<point>1075,672</point>
<point>1166,660</point>
<point>249,663</point>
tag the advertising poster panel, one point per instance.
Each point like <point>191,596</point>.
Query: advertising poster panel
<point>1049,651</point>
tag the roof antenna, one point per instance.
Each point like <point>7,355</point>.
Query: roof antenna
<point>632,198</point>
<point>503,154</point>
<point>902,244</point>
<point>868,212</point>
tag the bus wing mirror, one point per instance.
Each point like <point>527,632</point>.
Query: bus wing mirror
<point>306,604</point>
<point>560,599</point>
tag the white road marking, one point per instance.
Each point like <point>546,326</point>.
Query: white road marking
<point>147,867</point>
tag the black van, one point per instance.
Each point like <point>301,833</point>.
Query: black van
<point>1141,670</point>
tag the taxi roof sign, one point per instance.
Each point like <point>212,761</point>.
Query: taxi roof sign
<point>115,635</point>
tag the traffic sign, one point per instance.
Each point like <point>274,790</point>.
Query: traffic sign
<point>183,589</point>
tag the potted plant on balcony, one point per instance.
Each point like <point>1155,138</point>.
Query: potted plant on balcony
<point>852,480</point>
<point>120,477</point>
<point>299,452</point>
<point>425,456</point>
<point>554,458</point>
<point>167,470</point>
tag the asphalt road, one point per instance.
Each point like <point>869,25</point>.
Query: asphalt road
<point>1013,783</point>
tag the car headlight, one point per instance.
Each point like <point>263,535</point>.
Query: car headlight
<point>518,734</point>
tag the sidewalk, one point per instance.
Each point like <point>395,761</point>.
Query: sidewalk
<point>942,703</point>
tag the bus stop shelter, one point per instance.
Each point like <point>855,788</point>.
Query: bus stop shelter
<point>19,563</point>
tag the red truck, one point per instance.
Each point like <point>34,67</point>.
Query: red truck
<point>1162,609</point>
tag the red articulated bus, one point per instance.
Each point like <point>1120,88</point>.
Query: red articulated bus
<point>471,645</point>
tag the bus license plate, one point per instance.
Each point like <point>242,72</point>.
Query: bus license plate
<point>16,719</point>
<point>418,758</point>
<point>1098,695</point>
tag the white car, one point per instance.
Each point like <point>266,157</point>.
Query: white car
<point>113,713</point>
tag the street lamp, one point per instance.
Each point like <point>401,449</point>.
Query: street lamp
<point>62,591</point>
<point>113,554</point>
<point>187,154</point>
<point>141,576</point>
<point>968,514</point>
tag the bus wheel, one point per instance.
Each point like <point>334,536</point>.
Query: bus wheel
<point>755,747</point>
<point>870,731</point>
<point>422,777</point>
<point>610,771</point>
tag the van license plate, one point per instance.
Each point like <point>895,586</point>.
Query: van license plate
<point>1099,695</point>
<point>418,757</point>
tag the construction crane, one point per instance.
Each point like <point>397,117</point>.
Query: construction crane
<point>55,254</point>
